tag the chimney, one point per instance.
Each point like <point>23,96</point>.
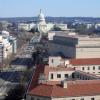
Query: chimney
<point>64,84</point>
<point>67,62</point>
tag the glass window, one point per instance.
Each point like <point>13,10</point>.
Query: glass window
<point>92,99</point>
<point>93,67</point>
<point>66,75</point>
<point>52,60</point>
<point>88,68</point>
<point>99,67</point>
<point>51,76</point>
<point>82,68</point>
<point>78,76</point>
<point>58,75</point>
<point>32,98</point>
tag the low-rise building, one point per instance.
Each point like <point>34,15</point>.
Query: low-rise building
<point>97,26</point>
<point>61,81</point>
<point>25,26</point>
<point>89,25</point>
<point>63,27</point>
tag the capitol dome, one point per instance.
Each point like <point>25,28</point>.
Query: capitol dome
<point>41,24</point>
<point>41,16</point>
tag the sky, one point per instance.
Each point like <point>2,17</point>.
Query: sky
<point>55,8</point>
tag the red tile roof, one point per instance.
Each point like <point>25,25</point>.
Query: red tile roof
<point>87,61</point>
<point>73,89</point>
<point>45,69</point>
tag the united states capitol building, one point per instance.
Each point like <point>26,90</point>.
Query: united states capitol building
<point>41,25</point>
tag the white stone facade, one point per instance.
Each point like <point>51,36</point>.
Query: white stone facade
<point>92,69</point>
<point>62,75</point>
<point>25,26</point>
<point>62,26</point>
<point>8,46</point>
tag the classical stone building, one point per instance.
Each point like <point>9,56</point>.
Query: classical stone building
<point>75,46</point>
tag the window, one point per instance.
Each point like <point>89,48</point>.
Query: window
<point>88,68</point>
<point>52,60</point>
<point>82,68</point>
<point>32,98</point>
<point>93,67</point>
<point>77,75</point>
<point>51,76</point>
<point>99,67</point>
<point>92,99</point>
<point>66,75</point>
<point>58,75</point>
<point>83,77</point>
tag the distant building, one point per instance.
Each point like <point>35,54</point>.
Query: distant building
<point>51,34</point>
<point>75,46</point>
<point>25,26</point>
<point>1,53</point>
<point>88,65</point>
<point>4,24</point>
<point>63,27</point>
<point>13,42</point>
<point>97,27</point>
<point>8,45</point>
<point>89,25</point>
<point>42,26</point>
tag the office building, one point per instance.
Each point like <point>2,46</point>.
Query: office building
<point>75,46</point>
<point>8,45</point>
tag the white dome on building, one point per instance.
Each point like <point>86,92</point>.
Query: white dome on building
<point>41,16</point>
<point>41,25</point>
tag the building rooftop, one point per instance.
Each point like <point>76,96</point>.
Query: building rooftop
<point>85,61</point>
<point>74,88</point>
<point>76,36</point>
<point>51,88</point>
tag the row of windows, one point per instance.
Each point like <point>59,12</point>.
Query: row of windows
<point>83,77</point>
<point>32,98</point>
<point>84,99</point>
<point>88,68</point>
<point>59,76</point>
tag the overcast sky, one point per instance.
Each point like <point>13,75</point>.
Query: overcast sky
<point>66,8</point>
